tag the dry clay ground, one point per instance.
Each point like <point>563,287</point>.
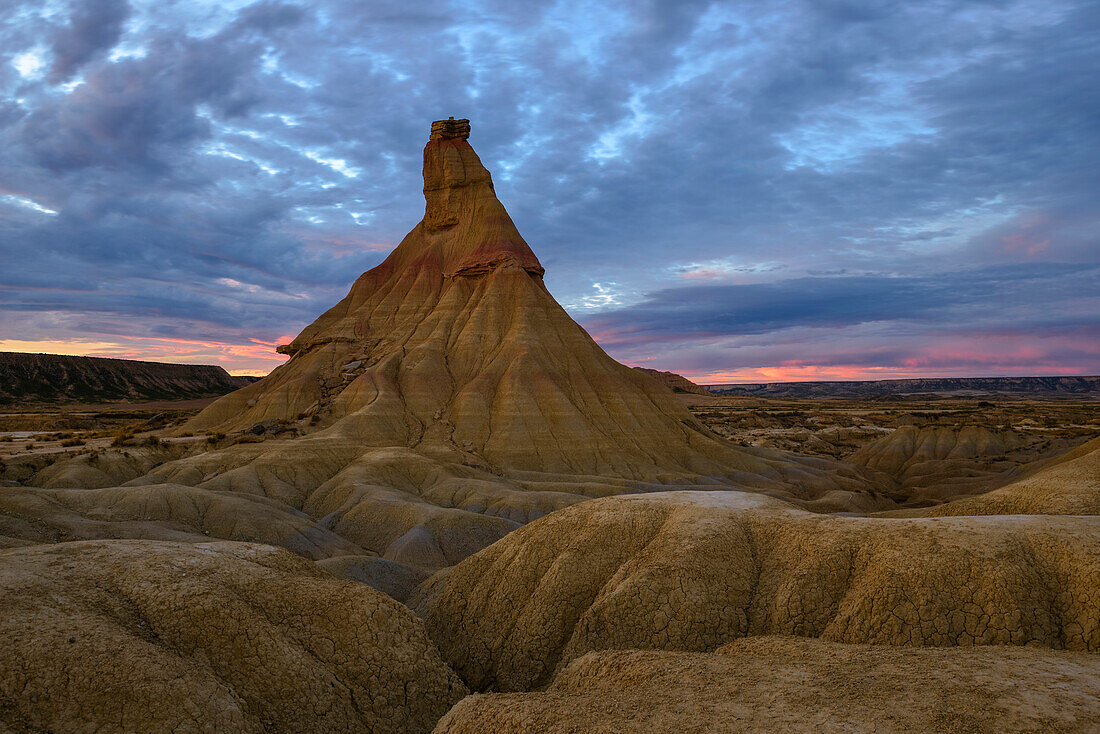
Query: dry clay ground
<point>930,448</point>
<point>665,612</point>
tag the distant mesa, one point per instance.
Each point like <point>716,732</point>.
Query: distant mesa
<point>948,386</point>
<point>62,378</point>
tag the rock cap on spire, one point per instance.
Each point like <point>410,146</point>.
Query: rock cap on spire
<point>450,129</point>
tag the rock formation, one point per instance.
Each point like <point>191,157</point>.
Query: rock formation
<point>691,571</point>
<point>453,348</point>
<point>798,685</point>
<point>129,636</point>
<point>161,512</point>
<point>937,463</point>
<point>447,400</point>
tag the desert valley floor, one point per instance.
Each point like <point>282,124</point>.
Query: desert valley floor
<point>672,611</point>
<point>451,510</point>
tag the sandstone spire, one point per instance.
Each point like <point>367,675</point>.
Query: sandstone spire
<point>449,386</point>
<point>453,346</point>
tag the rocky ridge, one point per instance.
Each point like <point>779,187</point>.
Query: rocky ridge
<point>28,378</point>
<point>970,386</point>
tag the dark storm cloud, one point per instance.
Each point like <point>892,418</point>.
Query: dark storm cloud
<point>197,164</point>
<point>93,27</point>
<point>1045,297</point>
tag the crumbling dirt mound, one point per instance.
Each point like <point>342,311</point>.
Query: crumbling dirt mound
<point>390,577</point>
<point>162,512</point>
<point>694,570</point>
<point>1068,485</point>
<point>801,685</point>
<point>126,636</point>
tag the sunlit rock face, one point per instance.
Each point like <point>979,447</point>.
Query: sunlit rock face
<point>453,347</point>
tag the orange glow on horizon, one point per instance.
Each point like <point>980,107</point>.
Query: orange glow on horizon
<point>857,372</point>
<point>253,358</point>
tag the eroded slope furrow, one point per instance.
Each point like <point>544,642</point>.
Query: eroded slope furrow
<point>692,571</point>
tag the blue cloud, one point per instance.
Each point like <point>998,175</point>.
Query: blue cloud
<point>1041,297</point>
<point>276,145</point>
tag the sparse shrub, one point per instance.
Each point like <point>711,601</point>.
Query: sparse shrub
<point>249,438</point>
<point>214,437</point>
<point>29,446</point>
<point>6,439</point>
<point>153,441</point>
<point>122,438</point>
<point>68,442</point>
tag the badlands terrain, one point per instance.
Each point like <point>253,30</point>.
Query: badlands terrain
<point>451,510</point>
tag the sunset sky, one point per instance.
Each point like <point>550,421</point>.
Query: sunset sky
<point>736,191</point>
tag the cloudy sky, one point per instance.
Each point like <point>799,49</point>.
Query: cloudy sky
<point>737,191</point>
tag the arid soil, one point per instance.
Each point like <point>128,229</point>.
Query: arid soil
<point>793,684</point>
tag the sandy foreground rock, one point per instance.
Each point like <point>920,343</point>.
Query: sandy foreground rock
<point>148,636</point>
<point>692,571</point>
<point>802,685</point>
